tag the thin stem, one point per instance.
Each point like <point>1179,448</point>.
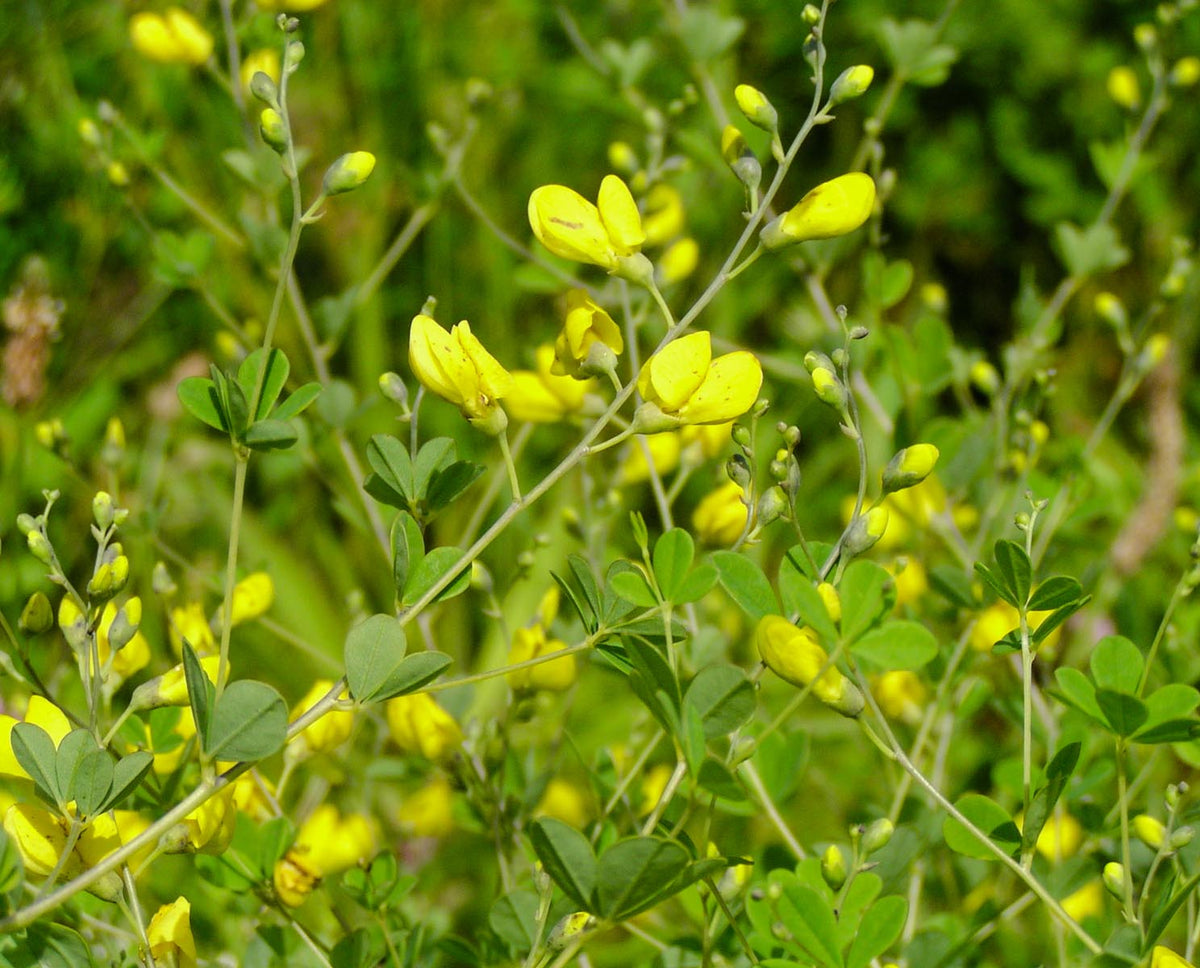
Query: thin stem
<point>1126,856</point>
<point>509,466</point>
<point>666,797</point>
<point>750,775</point>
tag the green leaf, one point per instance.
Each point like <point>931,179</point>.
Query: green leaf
<point>249,722</point>
<point>745,583</point>
<point>636,873</point>
<point>237,407</point>
<point>810,919</point>
<point>51,946</point>
<point>1056,618</point>
<point>567,857</point>
<point>1171,731</point>
<point>34,750</point>
<point>672,560</point>
<point>199,398</point>
<point>362,948</point>
<point>706,33</point>
<point>1165,912</point>
<point>297,401</point>
<point>632,586</point>
<point>1078,691</point>
<point>1094,249</point>
<point>415,671</point>
<point>127,776</point>
<point>867,593</point>
<point>431,569</point>
<point>898,644</point>
<point>582,572</point>
<point>1117,664</point>
<point>270,435</point>
<point>649,662</point>
<point>449,483</point>
<point>274,380</point>
<point>1015,570</point>
<point>72,749</point>
<point>390,461</point>
<point>434,455</point>
<point>12,872</point>
<point>954,585</point>
<point>878,931</point>
<point>715,777</point>
<point>723,697</point>
<point>514,919</point>
<point>996,583</point>
<point>408,549</point>
<point>691,737</point>
<point>201,691</point>
<point>912,49</point>
<point>800,598</point>
<point>1054,593</point>
<point>373,652</point>
<point>1124,713</point>
<point>1172,701</point>
<point>895,282</point>
<point>989,817</point>
<point>1058,771</point>
<point>697,584</point>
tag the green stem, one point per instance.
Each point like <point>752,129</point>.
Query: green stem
<point>241,463</point>
<point>750,775</point>
<point>502,440</point>
<point>1126,856</point>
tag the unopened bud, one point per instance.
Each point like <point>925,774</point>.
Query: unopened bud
<point>125,624</point>
<point>1185,72</point>
<point>162,582</point>
<point>877,835</point>
<point>865,530</point>
<point>109,579</point>
<point>985,377</point>
<point>394,388</point>
<point>758,110</point>
<point>831,600</point>
<point>811,14</point>
<point>833,866</point>
<point>103,510</point>
<point>37,616</point>
<point>39,547</point>
<point>772,505</point>
<point>1114,879</point>
<point>1149,830</point>
<point>851,83</point>
<point>273,130</point>
<point>1181,837</point>
<point>1110,308</point>
<point>909,467</point>
<point>263,88</point>
<point>348,172</point>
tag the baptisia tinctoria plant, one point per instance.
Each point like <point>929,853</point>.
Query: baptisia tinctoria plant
<point>682,384</point>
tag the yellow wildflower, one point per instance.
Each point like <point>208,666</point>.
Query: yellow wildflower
<point>174,37</point>
<point>188,623</point>
<point>419,725</point>
<point>170,935</point>
<point>531,643</point>
<point>683,384</point>
<point>457,368</point>
<point>252,597</point>
<point>831,209</point>
<point>664,451</point>
<point>721,516</point>
<point>326,844</point>
<point>589,342</point>
<point>564,801</point>
<point>541,396</point>
<point>427,812</point>
<point>901,695</point>
<point>265,59</point>
<point>41,712</point>
<point>332,729</point>
<point>795,655</point>
<point>606,234</point>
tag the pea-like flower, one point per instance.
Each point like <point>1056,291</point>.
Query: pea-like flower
<point>326,844</point>
<point>428,812</point>
<point>531,642</point>
<point>590,341</point>
<point>328,732</point>
<point>170,935</point>
<point>795,655</point>
<point>608,234</point>
<point>542,396</point>
<point>831,209</point>
<point>252,597</point>
<point>909,467</point>
<point>419,725</point>
<point>683,384</point>
<point>720,517</point>
<point>174,37</point>
<point>457,368</point>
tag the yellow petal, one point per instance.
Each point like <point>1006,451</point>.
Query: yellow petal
<point>730,388</point>
<point>491,380</point>
<point>195,43</point>
<point>674,373</point>
<point>833,208</point>
<point>569,225</point>
<point>438,361</point>
<point>170,934</point>
<point>152,38</point>
<point>619,213</point>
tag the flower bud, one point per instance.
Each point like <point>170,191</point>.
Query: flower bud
<point>1110,308</point>
<point>26,523</point>
<point>103,510</point>
<point>771,506</point>
<point>392,387</point>
<point>833,867</point>
<point>1123,88</point>
<point>758,110</point>
<point>622,157</point>
<point>273,130</point>
<point>833,208</point>
<point>1181,837</point>
<point>829,388</point>
<point>1149,830</point>
<point>811,14</point>
<point>985,377</point>
<point>114,442</point>
<point>1114,879</point>
<point>72,623</point>
<point>125,625</point>
<point>37,616</point>
<point>877,835</point>
<point>740,158</point>
<point>865,530</point>
<point>348,172</point>
<point>161,581</point>
<point>567,928</point>
<point>831,600</point>
<point>1185,72</point>
<point>795,655</point>
<point>39,547</point>
<point>910,466</point>
<point>109,579</point>
<point>264,89</point>
<point>851,83</point>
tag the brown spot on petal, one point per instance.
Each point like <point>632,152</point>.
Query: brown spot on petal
<point>566,224</point>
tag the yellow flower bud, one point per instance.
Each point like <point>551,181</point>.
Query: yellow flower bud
<point>795,655</point>
<point>1060,837</point>
<point>273,130</point>
<point>1156,349</point>
<point>865,530</point>
<point>721,516</point>
<point>831,600</point>
<point>1166,958</point>
<point>678,261</point>
<point>266,60</point>
<point>175,37</point>
<point>88,133</point>
<point>851,83</point>
<point>252,597</point>
<point>348,172</point>
<point>901,694</point>
<point>590,341</point>
<point>458,369</point>
<point>531,643</point>
<point>684,385</point>
<point>833,867</point>
<point>291,6</point>
<point>910,466</point>
<point>985,376</point>
<point>190,624</point>
<point>1123,88</point>
<point>1186,72</point>
<point>170,689</point>
<point>332,729</point>
<point>1087,902</point>
<point>622,157</point>
<point>117,174</point>
<point>1110,308</point>
<point>828,388</point>
<point>831,209</point>
<point>1149,830</point>
<point>170,935</point>
<point>564,801</point>
<point>758,110</point>
<point>417,724</point>
<point>37,616</point>
<point>1114,879</point>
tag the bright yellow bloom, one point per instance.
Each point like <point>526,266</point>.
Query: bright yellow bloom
<point>1166,958</point>
<point>678,261</point>
<point>1060,837</point>
<point>911,581</point>
<point>170,935</point>
<point>252,597</point>
<point>683,384</point>
<point>41,712</point>
<point>427,812</point>
<point>564,801</point>
<point>1087,902</point>
<point>326,844</point>
<point>1123,88</point>
<point>209,828</point>
<point>265,60</point>
<point>174,37</point>
<point>188,623</point>
<point>531,643</point>
<point>332,729</point>
<point>721,516</point>
<point>833,208</point>
<point>664,450</point>
<point>589,342</point>
<point>457,368</point>
<point>541,396</point>
<point>665,216</point>
<point>1000,618</point>
<point>795,655</point>
<point>570,226</point>
<point>901,695</point>
<point>417,724</point>
<point>41,837</point>
<point>170,689</point>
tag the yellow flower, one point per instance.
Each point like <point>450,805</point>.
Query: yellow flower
<point>654,784</point>
<point>326,844</point>
<point>851,83</point>
<point>678,261</point>
<point>457,368</point>
<point>132,658</point>
<point>190,624</point>
<point>541,396</point>
<point>1149,830</point>
<point>40,837</point>
<point>427,812</point>
<point>665,217</point>
<point>911,581</point>
<point>795,655</point>
<point>174,37</point>
<point>683,384</point>
<point>332,729</point>
<point>721,516</point>
<point>831,600</point>
<point>209,828</point>
<point>1123,88</point>
<point>901,695</point>
<point>41,712</point>
<point>531,643</point>
<point>1166,958</point>
<point>252,597</point>
<point>589,342</point>
<point>1060,837</point>
<point>709,439</point>
<point>419,725</point>
<point>265,59</point>
<point>831,209</point>
<point>170,689</point>
<point>1000,618</point>
<point>291,6</point>
<point>570,226</point>
<point>564,801</point>
<point>664,452</point>
<point>170,935</point>
<point>252,795</point>
<point>1087,902</point>
<point>754,104</point>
